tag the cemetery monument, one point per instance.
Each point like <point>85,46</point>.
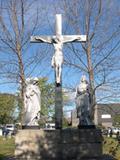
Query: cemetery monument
<point>59,144</point>
<point>57,41</point>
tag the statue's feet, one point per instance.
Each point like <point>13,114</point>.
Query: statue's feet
<point>58,80</point>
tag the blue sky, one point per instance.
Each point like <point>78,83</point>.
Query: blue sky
<point>45,68</point>
<point>71,77</point>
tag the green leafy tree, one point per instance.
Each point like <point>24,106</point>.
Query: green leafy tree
<point>7,108</point>
<point>47,96</point>
<point>19,105</point>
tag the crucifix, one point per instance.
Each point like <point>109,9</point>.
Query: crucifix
<point>57,41</point>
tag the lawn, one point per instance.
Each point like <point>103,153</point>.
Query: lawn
<point>7,147</point>
<point>110,147</point>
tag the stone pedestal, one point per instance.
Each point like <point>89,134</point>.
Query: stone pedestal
<point>68,144</point>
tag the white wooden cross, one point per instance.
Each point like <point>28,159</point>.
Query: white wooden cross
<point>58,40</point>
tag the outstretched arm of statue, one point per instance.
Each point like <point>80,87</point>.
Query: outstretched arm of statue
<point>46,39</point>
<point>74,38</point>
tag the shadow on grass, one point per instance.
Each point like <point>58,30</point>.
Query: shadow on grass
<point>104,157</point>
<point>108,157</point>
<point>3,157</point>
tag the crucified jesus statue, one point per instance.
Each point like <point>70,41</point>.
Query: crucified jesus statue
<point>57,41</point>
<point>57,59</point>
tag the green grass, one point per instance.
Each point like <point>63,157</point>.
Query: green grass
<point>111,147</point>
<point>7,147</point>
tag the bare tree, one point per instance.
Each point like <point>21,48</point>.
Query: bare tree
<point>18,21</point>
<point>98,58</point>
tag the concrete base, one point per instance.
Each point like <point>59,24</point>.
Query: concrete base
<point>72,144</point>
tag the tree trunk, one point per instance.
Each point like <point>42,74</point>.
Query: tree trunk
<point>22,79</point>
<point>91,79</point>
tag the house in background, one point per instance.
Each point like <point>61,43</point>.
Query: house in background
<point>104,114</point>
